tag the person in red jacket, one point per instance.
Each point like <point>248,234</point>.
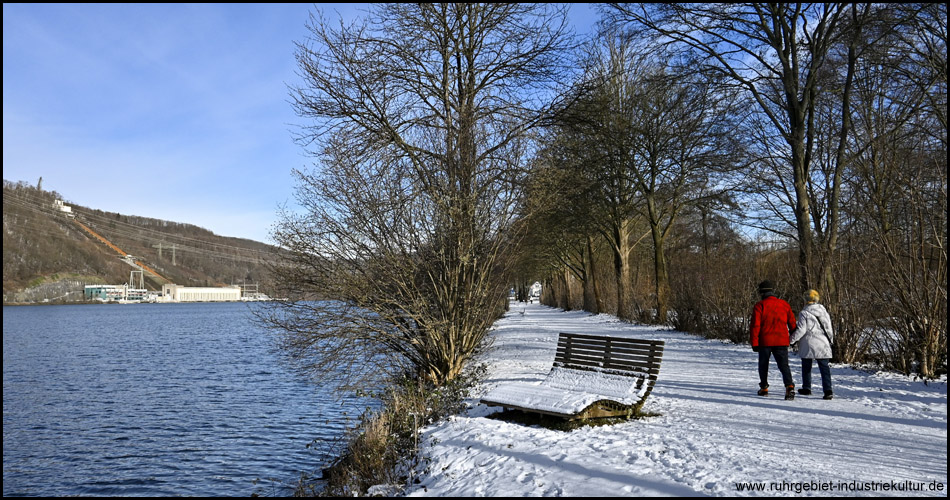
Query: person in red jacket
<point>772,320</point>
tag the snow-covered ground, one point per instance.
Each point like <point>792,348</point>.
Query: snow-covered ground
<point>882,435</point>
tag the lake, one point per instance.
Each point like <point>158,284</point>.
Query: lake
<point>158,400</point>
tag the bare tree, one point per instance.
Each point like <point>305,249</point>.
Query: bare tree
<point>898,188</point>
<point>562,201</point>
<point>592,131</point>
<point>774,54</point>
<point>682,137</point>
<point>648,142</point>
<point>421,114</point>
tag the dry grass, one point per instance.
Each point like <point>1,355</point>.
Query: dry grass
<point>384,449</point>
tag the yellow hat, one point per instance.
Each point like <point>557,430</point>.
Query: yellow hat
<point>811,296</point>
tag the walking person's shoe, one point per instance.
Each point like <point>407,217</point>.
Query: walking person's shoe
<point>828,395</point>
<point>790,393</point>
<point>804,392</point>
<point>763,391</point>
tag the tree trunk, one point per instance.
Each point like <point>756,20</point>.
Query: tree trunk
<point>661,275</point>
<point>802,213</point>
<point>625,301</point>
<point>599,305</point>
<point>589,283</point>
<point>564,295</point>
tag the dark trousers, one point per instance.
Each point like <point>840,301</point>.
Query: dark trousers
<point>781,359</point>
<point>823,367</point>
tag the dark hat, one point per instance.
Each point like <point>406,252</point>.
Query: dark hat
<point>766,286</point>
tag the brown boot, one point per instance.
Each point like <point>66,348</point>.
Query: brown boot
<point>790,393</point>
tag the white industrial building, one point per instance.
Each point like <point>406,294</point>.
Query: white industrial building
<point>177,293</point>
<point>62,207</point>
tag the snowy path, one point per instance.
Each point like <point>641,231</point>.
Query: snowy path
<point>714,434</point>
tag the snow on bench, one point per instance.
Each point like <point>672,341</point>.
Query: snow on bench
<point>592,377</point>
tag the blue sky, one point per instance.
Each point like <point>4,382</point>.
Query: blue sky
<point>173,111</point>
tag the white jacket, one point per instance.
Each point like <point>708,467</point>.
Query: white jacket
<point>813,333</point>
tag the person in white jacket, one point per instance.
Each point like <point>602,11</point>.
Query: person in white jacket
<point>814,336</point>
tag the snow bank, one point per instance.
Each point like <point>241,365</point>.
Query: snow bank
<point>882,435</point>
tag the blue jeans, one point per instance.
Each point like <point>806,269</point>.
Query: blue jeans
<point>823,367</point>
<point>781,359</point>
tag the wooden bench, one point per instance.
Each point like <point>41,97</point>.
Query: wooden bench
<point>592,377</point>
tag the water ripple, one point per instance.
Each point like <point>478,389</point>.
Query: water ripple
<point>156,400</point>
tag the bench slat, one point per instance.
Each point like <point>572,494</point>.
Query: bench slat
<point>623,359</point>
<point>622,342</point>
<point>569,343</point>
<point>601,338</point>
<point>610,349</point>
<point>628,358</point>
<point>635,356</point>
<point>652,372</point>
<point>616,364</point>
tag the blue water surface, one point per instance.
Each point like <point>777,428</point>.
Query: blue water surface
<point>158,400</point>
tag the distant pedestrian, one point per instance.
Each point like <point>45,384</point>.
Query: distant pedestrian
<point>772,320</point>
<point>815,336</point>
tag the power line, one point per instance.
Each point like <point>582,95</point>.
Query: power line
<point>172,235</point>
<point>88,213</point>
<point>138,233</point>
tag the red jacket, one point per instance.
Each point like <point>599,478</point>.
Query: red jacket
<point>772,319</point>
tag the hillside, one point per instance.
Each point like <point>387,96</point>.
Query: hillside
<point>49,255</point>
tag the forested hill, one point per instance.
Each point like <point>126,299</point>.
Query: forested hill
<point>48,255</point>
